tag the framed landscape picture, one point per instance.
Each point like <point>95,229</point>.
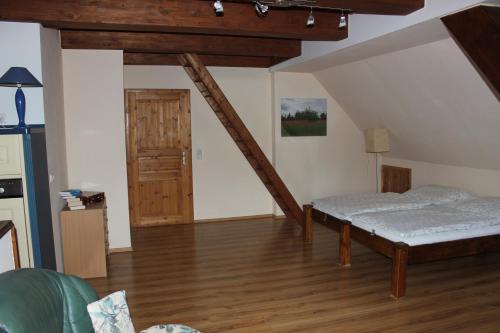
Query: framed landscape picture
<point>303,117</point>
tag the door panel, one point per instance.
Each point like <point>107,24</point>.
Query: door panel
<point>10,152</point>
<point>159,156</point>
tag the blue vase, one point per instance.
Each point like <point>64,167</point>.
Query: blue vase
<point>20,107</point>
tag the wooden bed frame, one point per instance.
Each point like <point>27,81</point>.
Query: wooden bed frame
<point>401,254</point>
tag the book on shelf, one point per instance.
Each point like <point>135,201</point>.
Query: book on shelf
<point>86,197</point>
<point>75,203</point>
<point>77,199</point>
<point>70,193</point>
<point>77,207</point>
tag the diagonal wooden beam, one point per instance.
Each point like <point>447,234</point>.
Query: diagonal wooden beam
<point>180,43</point>
<point>208,60</point>
<point>177,16</point>
<point>241,135</point>
<point>383,7</point>
<point>477,30</point>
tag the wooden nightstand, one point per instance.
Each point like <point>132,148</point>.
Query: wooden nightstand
<point>85,241</point>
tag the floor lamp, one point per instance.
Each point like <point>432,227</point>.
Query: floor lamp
<point>376,141</point>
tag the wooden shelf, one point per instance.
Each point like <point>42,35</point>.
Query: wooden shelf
<point>85,241</point>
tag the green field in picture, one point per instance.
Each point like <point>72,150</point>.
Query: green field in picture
<point>303,127</point>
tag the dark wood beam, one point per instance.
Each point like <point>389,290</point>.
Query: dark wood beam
<point>178,43</point>
<point>477,31</point>
<point>241,136</point>
<point>385,7</point>
<point>209,60</point>
<point>177,16</point>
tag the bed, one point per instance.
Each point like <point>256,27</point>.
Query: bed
<point>444,227</point>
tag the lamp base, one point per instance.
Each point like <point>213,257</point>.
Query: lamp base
<point>20,107</point>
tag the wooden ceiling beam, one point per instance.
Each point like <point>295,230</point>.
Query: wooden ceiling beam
<point>477,31</point>
<point>383,7</point>
<point>209,60</point>
<point>179,43</point>
<point>175,16</point>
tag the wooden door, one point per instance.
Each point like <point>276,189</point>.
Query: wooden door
<point>159,157</point>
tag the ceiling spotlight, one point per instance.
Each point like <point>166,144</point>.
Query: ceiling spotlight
<point>342,21</point>
<point>310,20</point>
<point>219,8</point>
<point>261,9</point>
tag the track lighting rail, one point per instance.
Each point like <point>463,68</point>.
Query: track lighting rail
<point>262,9</point>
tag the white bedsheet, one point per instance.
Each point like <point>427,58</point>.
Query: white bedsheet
<point>346,206</point>
<point>343,207</point>
<point>489,206</point>
<point>441,236</point>
<point>420,224</point>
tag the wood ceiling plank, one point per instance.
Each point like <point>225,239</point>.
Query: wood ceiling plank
<point>179,43</point>
<point>177,16</point>
<point>384,7</point>
<point>477,30</point>
<point>209,60</point>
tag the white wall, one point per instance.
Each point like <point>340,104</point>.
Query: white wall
<point>315,167</point>
<point>21,48</point>
<point>480,181</point>
<point>95,132</point>
<point>224,184</point>
<point>365,27</point>
<point>54,128</point>
<point>436,106</point>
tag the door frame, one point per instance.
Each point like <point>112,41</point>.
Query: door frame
<point>189,162</point>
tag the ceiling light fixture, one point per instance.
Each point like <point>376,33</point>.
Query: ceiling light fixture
<point>310,20</point>
<point>219,8</point>
<point>261,9</point>
<point>342,21</point>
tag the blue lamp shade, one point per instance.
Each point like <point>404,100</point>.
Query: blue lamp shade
<point>19,77</point>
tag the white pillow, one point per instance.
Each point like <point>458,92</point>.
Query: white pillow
<point>111,314</point>
<point>170,328</point>
<point>438,194</point>
<point>489,206</point>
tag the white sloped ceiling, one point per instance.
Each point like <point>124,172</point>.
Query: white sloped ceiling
<point>436,106</point>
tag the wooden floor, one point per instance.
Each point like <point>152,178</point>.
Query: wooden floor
<point>258,276</point>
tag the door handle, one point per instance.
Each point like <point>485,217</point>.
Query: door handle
<point>183,157</point>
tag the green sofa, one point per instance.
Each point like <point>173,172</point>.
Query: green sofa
<point>37,300</point>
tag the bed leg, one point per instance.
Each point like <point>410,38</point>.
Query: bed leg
<point>345,244</point>
<point>307,230</point>
<point>399,265</point>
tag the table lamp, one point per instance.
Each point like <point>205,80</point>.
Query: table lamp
<point>376,141</point>
<point>19,77</point>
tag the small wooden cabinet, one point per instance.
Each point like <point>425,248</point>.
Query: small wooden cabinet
<point>85,241</point>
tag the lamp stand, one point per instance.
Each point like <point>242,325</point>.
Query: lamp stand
<point>20,107</point>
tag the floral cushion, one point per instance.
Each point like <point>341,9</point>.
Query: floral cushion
<point>111,314</point>
<point>172,328</point>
